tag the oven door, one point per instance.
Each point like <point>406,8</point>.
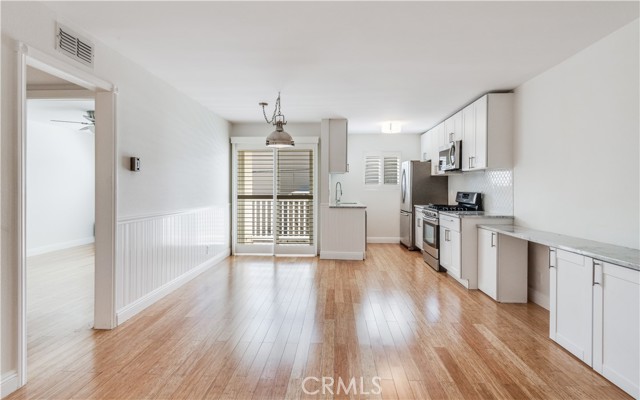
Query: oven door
<point>430,237</point>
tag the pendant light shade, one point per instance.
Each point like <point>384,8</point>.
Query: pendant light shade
<point>278,138</point>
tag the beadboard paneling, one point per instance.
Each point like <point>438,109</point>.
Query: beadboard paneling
<point>153,251</point>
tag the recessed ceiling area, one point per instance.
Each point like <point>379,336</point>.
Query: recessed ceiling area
<point>369,62</point>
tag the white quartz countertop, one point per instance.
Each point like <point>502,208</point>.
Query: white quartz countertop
<point>623,256</point>
<point>473,214</point>
<point>349,204</point>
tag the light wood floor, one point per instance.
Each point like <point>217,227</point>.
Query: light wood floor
<point>59,303</point>
<point>255,327</point>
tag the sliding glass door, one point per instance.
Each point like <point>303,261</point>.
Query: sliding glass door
<point>274,200</point>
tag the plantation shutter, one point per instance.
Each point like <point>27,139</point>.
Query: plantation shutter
<point>391,170</point>
<point>295,197</point>
<point>372,170</point>
<point>255,196</point>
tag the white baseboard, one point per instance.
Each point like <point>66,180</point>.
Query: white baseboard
<point>539,298</point>
<point>342,255</point>
<point>9,383</point>
<point>382,239</point>
<point>134,308</point>
<point>59,246</point>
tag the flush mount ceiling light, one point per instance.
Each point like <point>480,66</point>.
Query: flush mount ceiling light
<point>391,127</point>
<point>278,138</point>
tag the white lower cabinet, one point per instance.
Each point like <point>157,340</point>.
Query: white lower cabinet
<point>595,315</point>
<point>450,252</point>
<point>571,299</point>
<point>616,325</point>
<point>502,267</point>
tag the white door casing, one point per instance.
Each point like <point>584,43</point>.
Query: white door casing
<point>106,187</point>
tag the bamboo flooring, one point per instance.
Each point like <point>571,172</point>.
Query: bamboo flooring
<point>255,327</point>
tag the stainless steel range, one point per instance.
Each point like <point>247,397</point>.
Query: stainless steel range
<point>467,201</point>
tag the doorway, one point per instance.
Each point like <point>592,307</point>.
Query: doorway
<point>274,196</point>
<point>70,83</point>
<point>60,216</point>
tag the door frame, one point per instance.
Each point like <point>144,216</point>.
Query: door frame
<point>258,143</point>
<point>105,189</point>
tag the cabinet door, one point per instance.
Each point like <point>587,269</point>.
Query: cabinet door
<point>453,127</point>
<point>616,325</point>
<point>438,141</point>
<point>338,146</point>
<point>452,240</point>
<point>425,146</point>
<point>418,229</point>
<point>445,248</point>
<point>488,262</point>
<point>571,298</point>
<point>479,160</point>
<point>468,136</point>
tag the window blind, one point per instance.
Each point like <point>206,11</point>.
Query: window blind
<point>381,169</point>
<point>391,170</point>
<point>372,170</point>
<point>255,196</point>
<point>295,197</point>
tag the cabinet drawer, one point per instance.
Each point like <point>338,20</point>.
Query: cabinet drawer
<point>448,222</point>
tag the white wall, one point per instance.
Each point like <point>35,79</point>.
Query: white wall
<point>60,187</point>
<point>576,144</point>
<point>184,149</point>
<point>383,205</point>
<point>576,150</point>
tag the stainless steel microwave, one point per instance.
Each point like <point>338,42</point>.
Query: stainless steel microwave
<point>450,156</point>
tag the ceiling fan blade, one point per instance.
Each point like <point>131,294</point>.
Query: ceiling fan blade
<point>71,122</point>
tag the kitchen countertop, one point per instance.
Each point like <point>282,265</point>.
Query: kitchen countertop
<point>473,214</point>
<point>623,256</point>
<point>348,204</point>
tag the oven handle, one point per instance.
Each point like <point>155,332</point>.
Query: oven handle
<point>430,221</point>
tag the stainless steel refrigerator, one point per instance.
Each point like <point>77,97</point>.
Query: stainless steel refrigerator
<point>418,187</point>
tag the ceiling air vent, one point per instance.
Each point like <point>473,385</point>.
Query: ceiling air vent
<point>74,46</point>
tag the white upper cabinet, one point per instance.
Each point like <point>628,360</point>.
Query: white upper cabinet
<point>453,128</point>
<point>487,133</point>
<point>425,146</point>
<point>338,146</point>
<point>437,141</point>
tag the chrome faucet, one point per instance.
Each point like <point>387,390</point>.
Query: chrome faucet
<point>340,196</point>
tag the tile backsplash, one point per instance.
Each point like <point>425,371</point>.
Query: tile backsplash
<point>496,187</point>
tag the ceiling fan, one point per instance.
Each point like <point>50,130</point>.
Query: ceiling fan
<point>89,115</point>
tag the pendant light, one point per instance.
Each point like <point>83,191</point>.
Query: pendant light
<point>278,138</point>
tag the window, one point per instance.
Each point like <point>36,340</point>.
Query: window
<point>381,169</point>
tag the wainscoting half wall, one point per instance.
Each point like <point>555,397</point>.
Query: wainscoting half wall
<point>157,254</point>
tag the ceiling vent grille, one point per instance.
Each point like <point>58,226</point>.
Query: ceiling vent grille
<point>74,46</point>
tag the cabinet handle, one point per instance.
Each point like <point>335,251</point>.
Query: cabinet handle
<point>419,223</point>
<point>493,235</point>
<point>552,256</point>
<point>593,273</point>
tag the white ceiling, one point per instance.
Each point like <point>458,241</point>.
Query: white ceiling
<point>366,61</point>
